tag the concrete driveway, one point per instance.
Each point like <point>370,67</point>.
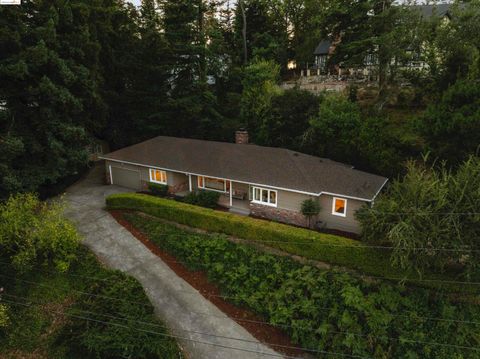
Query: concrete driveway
<point>207,335</point>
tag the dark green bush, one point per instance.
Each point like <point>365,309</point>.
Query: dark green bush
<point>303,242</point>
<point>126,327</point>
<point>325,310</point>
<point>157,189</point>
<point>207,199</point>
<point>310,244</point>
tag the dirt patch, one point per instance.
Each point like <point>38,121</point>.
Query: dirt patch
<point>57,311</point>
<point>18,354</point>
<point>267,334</point>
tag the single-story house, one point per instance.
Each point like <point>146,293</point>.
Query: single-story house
<point>261,181</point>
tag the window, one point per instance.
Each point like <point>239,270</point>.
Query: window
<point>213,184</point>
<point>339,207</point>
<point>158,176</point>
<point>265,196</point>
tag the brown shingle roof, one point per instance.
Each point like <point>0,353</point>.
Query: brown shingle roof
<point>269,166</point>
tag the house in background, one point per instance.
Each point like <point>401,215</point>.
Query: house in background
<point>322,52</point>
<point>326,48</point>
<point>261,181</point>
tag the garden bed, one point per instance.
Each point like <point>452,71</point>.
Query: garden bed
<point>254,324</point>
<point>324,311</point>
<point>328,248</point>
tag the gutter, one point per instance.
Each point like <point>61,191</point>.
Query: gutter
<point>249,183</point>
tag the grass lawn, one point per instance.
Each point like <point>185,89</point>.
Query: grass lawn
<point>49,311</point>
<point>325,310</point>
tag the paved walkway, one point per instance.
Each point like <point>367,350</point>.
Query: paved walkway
<point>173,298</point>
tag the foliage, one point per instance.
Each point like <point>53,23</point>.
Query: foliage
<point>310,208</point>
<point>333,131</point>
<point>298,241</point>
<point>451,127</point>
<point>158,189</point>
<point>288,118</point>
<point>203,198</point>
<point>54,323</point>
<point>379,28</point>
<point>325,310</point>
<point>126,328</point>
<point>34,233</point>
<point>4,319</point>
<point>259,88</point>
<point>49,93</point>
<point>430,217</point>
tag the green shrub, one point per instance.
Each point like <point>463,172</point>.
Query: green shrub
<point>157,189</point>
<point>307,243</point>
<point>127,328</point>
<point>430,217</point>
<point>4,318</point>
<point>328,310</point>
<point>310,208</point>
<point>36,233</point>
<point>299,241</point>
<point>207,199</point>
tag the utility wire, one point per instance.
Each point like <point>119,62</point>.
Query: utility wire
<point>397,279</point>
<point>338,332</point>
<point>150,331</point>
<point>292,347</point>
<point>126,318</point>
<point>262,322</point>
<point>317,242</point>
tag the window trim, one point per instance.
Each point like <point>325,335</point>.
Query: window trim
<point>268,196</point>
<point>152,176</point>
<point>211,189</point>
<point>335,213</point>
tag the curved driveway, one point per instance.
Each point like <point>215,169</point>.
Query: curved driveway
<point>175,301</point>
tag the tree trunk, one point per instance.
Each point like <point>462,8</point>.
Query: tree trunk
<point>244,31</point>
<point>202,43</point>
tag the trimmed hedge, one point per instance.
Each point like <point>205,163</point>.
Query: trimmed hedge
<point>303,242</point>
<point>299,241</point>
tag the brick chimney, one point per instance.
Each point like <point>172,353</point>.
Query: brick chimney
<point>241,137</point>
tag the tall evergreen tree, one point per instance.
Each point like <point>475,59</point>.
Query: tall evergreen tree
<point>49,92</point>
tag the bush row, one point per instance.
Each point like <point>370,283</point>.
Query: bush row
<point>207,199</point>
<point>325,310</point>
<point>299,241</point>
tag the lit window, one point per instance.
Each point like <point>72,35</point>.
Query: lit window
<point>339,207</point>
<point>158,176</point>
<point>265,196</point>
<point>213,184</point>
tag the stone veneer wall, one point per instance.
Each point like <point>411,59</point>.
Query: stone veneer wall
<point>180,187</point>
<point>278,214</point>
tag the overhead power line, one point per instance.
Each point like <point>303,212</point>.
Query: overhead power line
<point>426,318</point>
<point>193,332</point>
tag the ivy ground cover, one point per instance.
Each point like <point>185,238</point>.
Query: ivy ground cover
<point>326,311</point>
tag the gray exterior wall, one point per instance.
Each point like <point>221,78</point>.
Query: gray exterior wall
<point>288,203</point>
<point>348,223</point>
<point>292,202</point>
<point>176,181</point>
